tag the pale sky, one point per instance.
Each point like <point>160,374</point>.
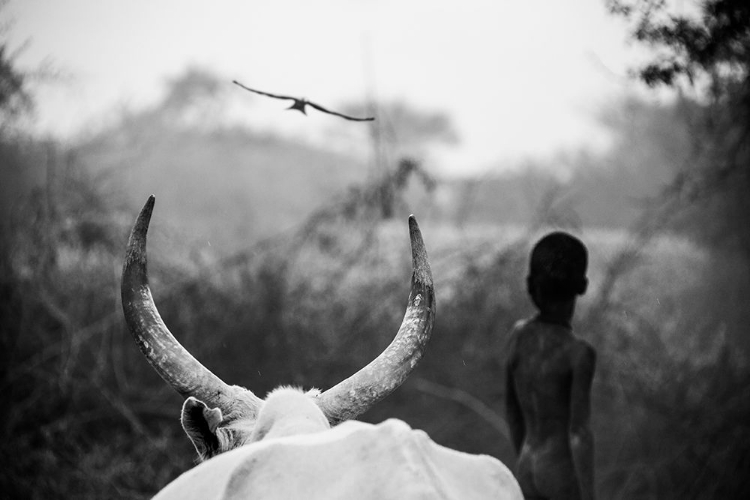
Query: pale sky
<point>519,78</point>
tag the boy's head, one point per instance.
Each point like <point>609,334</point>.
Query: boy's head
<point>557,268</point>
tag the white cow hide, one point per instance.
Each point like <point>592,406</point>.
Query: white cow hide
<point>354,460</point>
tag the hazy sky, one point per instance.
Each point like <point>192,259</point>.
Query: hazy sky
<point>518,78</point>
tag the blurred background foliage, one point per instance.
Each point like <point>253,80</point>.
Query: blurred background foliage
<point>275,262</point>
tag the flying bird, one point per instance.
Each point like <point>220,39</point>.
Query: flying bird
<point>300,103</point>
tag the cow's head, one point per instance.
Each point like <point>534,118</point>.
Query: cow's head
<point>286,411</point>
<point>218,417</point>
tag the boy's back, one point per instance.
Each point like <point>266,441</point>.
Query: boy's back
<point>550,374</point>
<point>548,378</point>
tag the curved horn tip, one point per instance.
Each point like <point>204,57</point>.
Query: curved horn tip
<point>136,251</point>
<point>414,231</point>
<point>420,264</point>
<point>144,218</point>
<point>149,203</point>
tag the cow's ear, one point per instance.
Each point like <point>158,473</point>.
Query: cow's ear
<point>200,423</point>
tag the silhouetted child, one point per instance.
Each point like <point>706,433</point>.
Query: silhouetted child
<point>549,373</point>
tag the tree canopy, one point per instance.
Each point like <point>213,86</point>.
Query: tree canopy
<point>708,50</point>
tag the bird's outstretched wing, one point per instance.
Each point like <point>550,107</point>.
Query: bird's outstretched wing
<point>275,96</point>
<point>347,117</point>
<point>299,104</point>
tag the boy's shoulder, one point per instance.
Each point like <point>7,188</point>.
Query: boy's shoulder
<point>533,326</point>
<point>511,346</point>
<point>518,328</point>
<point>520,325</point>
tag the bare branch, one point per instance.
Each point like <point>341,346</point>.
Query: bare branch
<point>495,420</point>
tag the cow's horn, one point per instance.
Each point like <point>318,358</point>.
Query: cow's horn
<point>356,394</point>
<point>172,361</point>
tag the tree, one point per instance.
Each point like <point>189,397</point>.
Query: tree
<point>14,98</point>
<point>708,51</point>
<point>716,42</point>
<point>16,103</point>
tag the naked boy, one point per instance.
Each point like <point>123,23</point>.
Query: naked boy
<point>549,373</point>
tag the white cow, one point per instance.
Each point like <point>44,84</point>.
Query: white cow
<point>293,444</point>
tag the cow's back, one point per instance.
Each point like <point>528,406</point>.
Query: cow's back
<point>354,460</point>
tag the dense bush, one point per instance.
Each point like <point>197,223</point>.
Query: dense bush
<point>88,418</point>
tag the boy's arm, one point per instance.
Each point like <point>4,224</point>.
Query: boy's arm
<point>513,414</point>
<point>581,438</point>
